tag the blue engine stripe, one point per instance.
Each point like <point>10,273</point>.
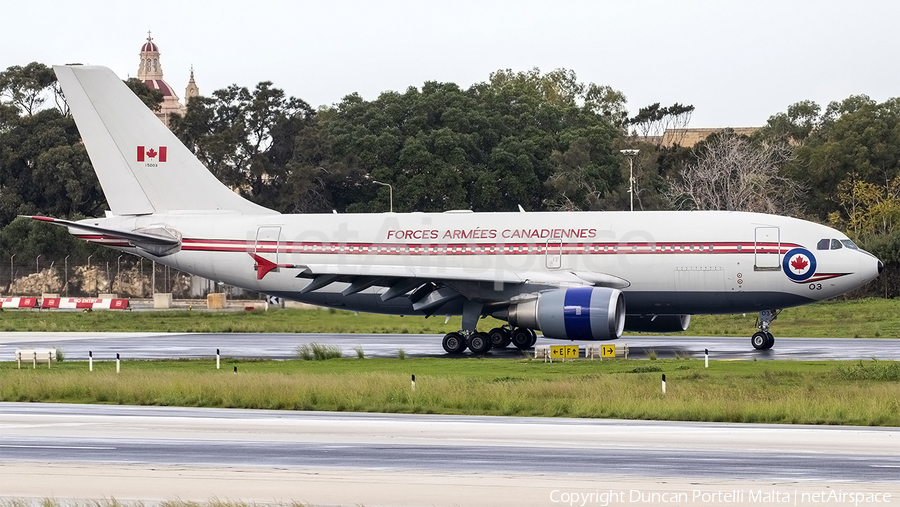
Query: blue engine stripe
<point>577,313</point>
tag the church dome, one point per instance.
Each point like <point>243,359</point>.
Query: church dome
<point>162,86</point>
<point>149,46</point>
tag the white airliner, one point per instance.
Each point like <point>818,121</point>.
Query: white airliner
<point>573,276</point>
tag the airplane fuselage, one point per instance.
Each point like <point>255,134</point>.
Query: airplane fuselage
<point>670,262</point>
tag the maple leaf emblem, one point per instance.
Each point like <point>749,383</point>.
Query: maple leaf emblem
<point>151,153</point>
<point>799,263</point>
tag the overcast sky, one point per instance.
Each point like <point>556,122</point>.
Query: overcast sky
<point>738,62</point>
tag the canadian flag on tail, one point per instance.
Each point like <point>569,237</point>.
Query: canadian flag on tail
<point>143,154</point>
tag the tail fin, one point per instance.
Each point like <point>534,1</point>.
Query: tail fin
<point>142,167</point>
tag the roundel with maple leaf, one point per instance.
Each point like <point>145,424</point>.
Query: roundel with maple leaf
<point>799,264</point>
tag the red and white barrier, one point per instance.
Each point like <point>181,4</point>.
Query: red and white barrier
<point>85,303</point>
<point>18,302</point>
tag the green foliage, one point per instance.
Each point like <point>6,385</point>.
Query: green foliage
<point>249,140</point>
<point>152,98</point>
<point>489,148</point>
<point>856,139</point>
<point>874,370</point>
<point>27,87</point>
<point>792,392</point>
<point>868,318</point>
<point>318,351</point>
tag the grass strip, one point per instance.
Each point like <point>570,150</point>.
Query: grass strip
<point>866,318</point>
<point>795,392</point>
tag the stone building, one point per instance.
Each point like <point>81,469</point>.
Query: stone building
<point>151,73</point>
<point>688,137</point>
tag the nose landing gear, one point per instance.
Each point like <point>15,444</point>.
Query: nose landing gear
<point>763,339</point>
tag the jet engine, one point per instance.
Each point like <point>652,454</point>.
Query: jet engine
<point>657,323</point>
<point>580,313</point>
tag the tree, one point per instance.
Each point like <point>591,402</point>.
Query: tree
<point>247,139</point>
<point>871,209</point>
<point>856,139</point>
<point>794,126</point>
<point>27,87</point>
<point>654,121</point>
<point>153,99</point>
<point>490,147</point>
<point>731,173</point>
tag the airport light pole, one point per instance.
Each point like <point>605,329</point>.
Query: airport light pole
<point>630,154</point>
<point>390,189</point>
<point>118,283</point>
<point>12,272</point>
<point>66,274</point>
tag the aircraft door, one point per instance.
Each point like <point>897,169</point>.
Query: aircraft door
<point>268,242</point>
<point>554,254</point>
<point>767,249</point>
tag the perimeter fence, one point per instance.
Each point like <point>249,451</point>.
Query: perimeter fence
<point>125,276</point>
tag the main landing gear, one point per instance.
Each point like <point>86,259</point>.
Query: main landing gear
<point>481,343</point>
<point>763,339</point>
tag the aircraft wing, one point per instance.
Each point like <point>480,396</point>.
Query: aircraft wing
<point>426,282</point>
<point>427,273</point>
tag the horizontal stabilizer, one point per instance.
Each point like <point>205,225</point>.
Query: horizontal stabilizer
<point>134,237</point>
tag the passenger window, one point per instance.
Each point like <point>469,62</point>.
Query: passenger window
<point>835,244</point>
<point>823,244</point>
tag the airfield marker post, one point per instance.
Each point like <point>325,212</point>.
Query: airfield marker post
<point>49,358</point>
<point>664,383</point>
<point>19,359</point>
<point>90,361</point>
<point>235,370</point>
<point>117,363</point>
<point>217,359</point>
<point>34,360</point>
<point>414,382</point>
<point>706,361</point>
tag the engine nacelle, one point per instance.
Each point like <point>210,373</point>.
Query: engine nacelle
<point>579,313</point>
<point>657,323</point>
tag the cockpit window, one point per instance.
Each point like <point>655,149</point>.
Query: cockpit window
<point>849,244</point>
<point>823,244</point>
<point>836,245</point>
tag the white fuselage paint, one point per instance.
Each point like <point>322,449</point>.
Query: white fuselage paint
<point>675,262</point>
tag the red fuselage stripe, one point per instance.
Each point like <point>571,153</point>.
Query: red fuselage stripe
<point>229,245</point>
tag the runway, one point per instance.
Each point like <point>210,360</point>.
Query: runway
<point>391,459</point>
<point>282,346</point>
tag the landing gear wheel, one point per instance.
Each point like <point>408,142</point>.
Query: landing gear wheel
<point>479,343</point>
<point>521,338</point>
<point>762,340</point>
<point>500,338</point>
<point>454,343</point>
<point>533,338</point>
